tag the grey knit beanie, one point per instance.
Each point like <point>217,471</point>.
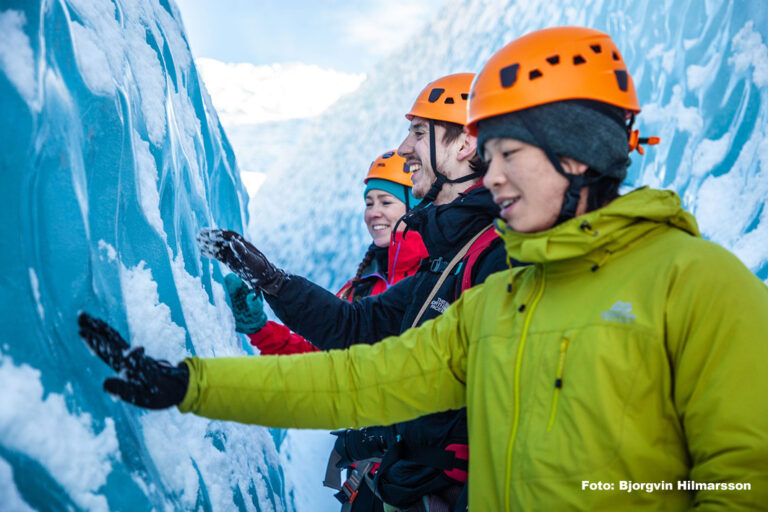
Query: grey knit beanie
<point>589,132</point>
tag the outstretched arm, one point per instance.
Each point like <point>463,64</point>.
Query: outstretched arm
<point>329,322</point>
<point>422,371</point>
<point>309,310</point>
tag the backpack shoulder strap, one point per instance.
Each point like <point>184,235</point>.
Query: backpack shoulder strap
<point>459,256</point>
<point>480,245</point>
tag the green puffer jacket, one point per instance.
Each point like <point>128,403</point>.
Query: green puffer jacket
<point>632,350</point>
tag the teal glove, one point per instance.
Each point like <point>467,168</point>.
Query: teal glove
<point>247,306</point>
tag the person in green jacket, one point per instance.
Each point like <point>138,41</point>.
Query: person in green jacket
<point>623,370</point>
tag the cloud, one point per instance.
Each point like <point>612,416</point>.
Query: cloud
<point>247,94</point>
<point>388,24</point>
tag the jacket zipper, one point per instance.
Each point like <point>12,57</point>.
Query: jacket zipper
<point>539,291</point>
<point>558,381</point>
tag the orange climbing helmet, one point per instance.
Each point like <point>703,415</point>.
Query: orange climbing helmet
<point>391,167</point>
<point>445,99</point>
<point>549,65</point>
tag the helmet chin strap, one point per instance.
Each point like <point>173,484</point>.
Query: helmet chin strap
<point>440,178</point>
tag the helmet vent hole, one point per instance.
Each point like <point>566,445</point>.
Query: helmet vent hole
<point>388,154</point>
<point>449,100</point>
<point>533,75</point>
<point>464,96</point>
<point>435,94</point>
<point>621,79</point>
<point>616,56</point>
<point>596,48</point>
<point>554,60</point>
<point>578,59</point>
<point>406,169</point>
<point>508,75</point>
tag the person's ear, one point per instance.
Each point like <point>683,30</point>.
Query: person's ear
<point>571,166</point>
<point>468,146</point>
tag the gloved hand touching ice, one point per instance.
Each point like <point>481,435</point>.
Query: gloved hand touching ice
<point>247,305</point>
<point>242,258</point>
<point>143,381</point>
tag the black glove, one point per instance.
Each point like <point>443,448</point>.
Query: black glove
<point>354,445</point>
<point>242,258</point>
<point>145,382</point>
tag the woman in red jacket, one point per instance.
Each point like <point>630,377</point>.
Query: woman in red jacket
<point>392,256</point>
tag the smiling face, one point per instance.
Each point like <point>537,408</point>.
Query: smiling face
<point>382,211</point>
<point>415,150</point>
<point>525,184</point>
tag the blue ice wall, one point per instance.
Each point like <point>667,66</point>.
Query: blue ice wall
<point>701,67</point>
<point>111,159</point>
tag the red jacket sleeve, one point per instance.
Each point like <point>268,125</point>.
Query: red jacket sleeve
<point>276,339</point>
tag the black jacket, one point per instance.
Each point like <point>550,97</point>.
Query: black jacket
<point>331,323</point>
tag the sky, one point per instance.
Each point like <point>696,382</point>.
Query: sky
<point>344,35</point>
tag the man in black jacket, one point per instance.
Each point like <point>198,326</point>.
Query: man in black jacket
<point>424,463</point>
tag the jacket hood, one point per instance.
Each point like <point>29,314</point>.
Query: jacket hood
<point>597,235</point>
<point>445,228</point>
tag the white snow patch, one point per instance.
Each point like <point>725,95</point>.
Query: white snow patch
<point>12,500</point>
<point>149,320</point>
<point>149,76</point>
<point>16,56</point>
<point>727,204</point>
<point>179,442</point>
<point>749,51</point>
<point>750,248</point>
<point>689,43</point>
<point>181,115</point>
<point>684,118</point>
<point>716,203</point>
<point>36,292</point>
<point>698,76</point>
<point>246,94</point>
<point>146,174</point>
<point>172,29</point>
<point>108,250</point>
<point>667,57</point>
<point>656,51</point>
<point>37,426</point>
<point>668,61</point>
<point>709,153</point>
<point>211,328</point>
<point>170,447</point>
<point>91,60</point>
<point>111,54</point>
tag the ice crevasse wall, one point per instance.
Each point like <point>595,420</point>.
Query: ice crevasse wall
<point>112,159</point>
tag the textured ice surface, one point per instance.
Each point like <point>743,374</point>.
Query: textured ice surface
<point>113,157</point>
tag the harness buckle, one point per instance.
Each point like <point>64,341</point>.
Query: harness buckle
<point>438,265</point>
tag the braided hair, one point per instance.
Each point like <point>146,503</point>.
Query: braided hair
<point>367,259</point>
